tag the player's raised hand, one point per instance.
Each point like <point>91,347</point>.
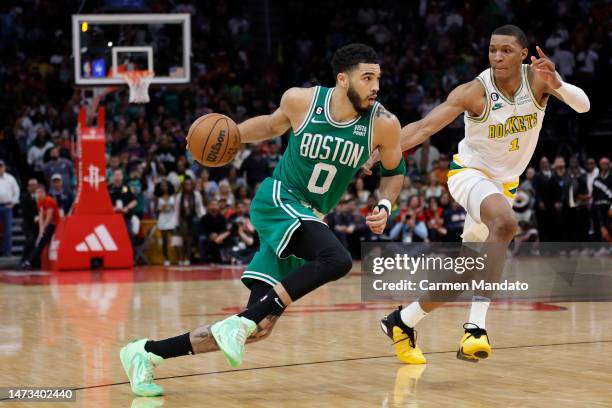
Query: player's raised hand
<point>544,68</point>
<point>377,220</point>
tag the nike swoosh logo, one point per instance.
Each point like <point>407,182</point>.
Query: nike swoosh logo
<point>313,120</point>
<point>279,303</point>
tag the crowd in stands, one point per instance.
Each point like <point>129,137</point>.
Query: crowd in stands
<point>426,49</point>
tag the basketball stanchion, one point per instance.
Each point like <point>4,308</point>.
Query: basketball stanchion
<point>92,235</point>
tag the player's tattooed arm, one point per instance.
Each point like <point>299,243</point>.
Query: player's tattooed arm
<point>381,111</point>
<point>381,115</point>
<point>202,340</point>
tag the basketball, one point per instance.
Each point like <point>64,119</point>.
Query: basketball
<point>213,140</point>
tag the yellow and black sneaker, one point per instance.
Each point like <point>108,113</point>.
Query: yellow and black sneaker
<point>404,338</point>
<point>474,344</point>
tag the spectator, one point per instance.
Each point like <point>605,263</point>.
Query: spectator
<point>225,193</point>
<point>587,60</point>
<point>255,167</point>
<point>166,153</point>
<point>360,192</point>
<point>369,207</point>
<point>408,190</point>
<point>225,209</point>
<point>29,212</point>
<point>565,61</point>
<point>62,196</point>
<point>592,172</point>
<point>244,236</point>
<point>274,157</point>
<point>445,200</point>
<point>434,188</point>
<point>576,206</point>
<point>602,201</point>
<point>9,196</point>
<point>411,169</point>
<point>213,233</point>
<point>234,180</point>
<point>189,209</point>
<point>178,175</point>
<point>210,187</point>
<point>409,229</point>
<point>348,224</point>
<point>58,166</point>
<point>123,201</point>
<point>137,185</point>
<point>134,149</point>
<point>114,164</point>
<point>38,149</point>
<point>412,222</point>
<point>424,157</point>
<point>434,220</point>
<point>558,185</point>
<point>528,184</point>
<point>454,220</point>
<point>441,171</point>
<point>48,218</point>
<point>242,193</point>
<point>544,200</point>
<point>525,215</point>
<point>165,208</point>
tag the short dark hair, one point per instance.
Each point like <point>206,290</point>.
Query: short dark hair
<point>513,31</point>
<point>349,56</point>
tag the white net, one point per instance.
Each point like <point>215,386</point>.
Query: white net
<point>138,82</point>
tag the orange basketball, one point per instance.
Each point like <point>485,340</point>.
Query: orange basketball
<point>213,140</point>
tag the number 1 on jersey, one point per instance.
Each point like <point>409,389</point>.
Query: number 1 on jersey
<point>514,145</point>
<point>316,172</point>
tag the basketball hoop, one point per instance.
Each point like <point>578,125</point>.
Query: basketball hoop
<point>138,81</point>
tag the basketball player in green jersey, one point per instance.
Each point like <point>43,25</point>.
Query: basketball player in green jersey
<point>504,108</point>
<point>334,131</point>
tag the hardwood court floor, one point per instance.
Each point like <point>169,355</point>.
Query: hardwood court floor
<point>65,330</point>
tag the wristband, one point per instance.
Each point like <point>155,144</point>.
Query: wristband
<point>386,205</point>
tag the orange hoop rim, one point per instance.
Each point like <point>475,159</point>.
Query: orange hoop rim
<point>134,77</point>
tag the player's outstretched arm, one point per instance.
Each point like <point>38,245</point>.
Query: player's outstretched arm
<point>386,137</point>
<point>548,80</point>
<point>266,127</point>
<point>466,97</point>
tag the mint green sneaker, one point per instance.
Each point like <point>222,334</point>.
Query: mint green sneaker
<point>138,365</point>
<point>231,335</point>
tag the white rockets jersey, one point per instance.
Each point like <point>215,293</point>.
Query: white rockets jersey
<point>502,140</point>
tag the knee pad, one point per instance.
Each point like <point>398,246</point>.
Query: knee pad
<point>336,261</point>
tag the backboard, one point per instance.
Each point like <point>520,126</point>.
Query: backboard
<point>104,45</point>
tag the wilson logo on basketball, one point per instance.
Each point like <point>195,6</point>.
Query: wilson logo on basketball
<point>214,149</point>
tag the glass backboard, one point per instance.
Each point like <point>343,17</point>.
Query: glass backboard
<point>104,45</point>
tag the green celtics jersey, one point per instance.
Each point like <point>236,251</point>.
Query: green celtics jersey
<point>323,155</point>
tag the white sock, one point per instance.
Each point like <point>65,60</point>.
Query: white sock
<point>478,312</point>
<point>412,314</point>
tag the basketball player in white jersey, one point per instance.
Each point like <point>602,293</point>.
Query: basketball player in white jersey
<point>504,109</point>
